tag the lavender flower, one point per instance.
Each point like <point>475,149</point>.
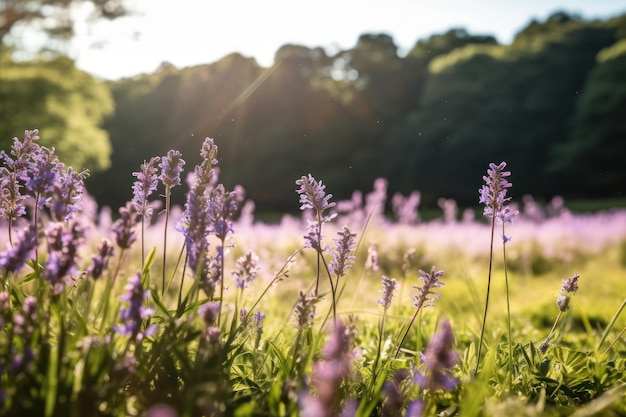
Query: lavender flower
<point>439,360</point>
<point>144,186</point>
<point>209,312</point>
<point>44,169</point>
<point>329,373</point>
<point>14,257</point>
<point>66,194</point>
<point>62,254</point>
<point>425,297</point>
<point>392,391</point>
<point>305,311</point>
<point>493,193</point>
<point>124,227</point>
<point>342,255</point>
<point>389,286</point>
<point>133,315</point>
<point>222,207</point>
<point>415,408</point>
<point>371,263</point>
<point>101,259</point>
<point>10,196</point>
<point>247,268</point>
<point>313,196</point>
<point>313,237</point>
<point>22,152</point>
<point>569,288</point>
<point>171,166</point>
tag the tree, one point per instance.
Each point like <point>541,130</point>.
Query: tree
<point>67,106</point>
<point>53,17</point>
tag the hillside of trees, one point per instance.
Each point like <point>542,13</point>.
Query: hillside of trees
<point>552,104</point>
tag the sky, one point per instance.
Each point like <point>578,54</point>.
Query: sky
<point>192,32</point>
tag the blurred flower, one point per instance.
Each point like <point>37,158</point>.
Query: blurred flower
<point>171,166</point>
<point>415,408</point>
<point>305,311</point>
<point>14,257</point>
<point>144,186</point>
<point>389,286</point>
<point>371,263</point>
<point>124,227</point>
<point>209,312</point>
<point>329,373</point>
<point>439,360</point>
<point>246,269</point>
<point>393,394</point>
<point>342,255</point>
<point>101,259</point>
<point>133,314</point>
<point>425,297</point>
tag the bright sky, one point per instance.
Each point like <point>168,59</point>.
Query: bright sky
<point>191,32</point>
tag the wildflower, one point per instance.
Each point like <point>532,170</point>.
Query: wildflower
<point>22,152</point>
<point>493,193</point>
<point>313,237</point>
<point>258,319</point>
<point>371,263</point>
<point>66,195</point>
<point>124,227</point>
<point>144,186</point>
<point>101,259</point>
<point>313,196</point>
<point>133,315</point>
<point>209,312</point>
<point>342,255</point>
<point>10,196</point>
<point>329,373</point>
<point>43,173</point>
<point>305,311</point>
<point>394,397</point>
<point>389,286</point>
<point>14,257</point>
<point>415,408</point>
<point>569,288</point>
<point>171,166</point>
<point>425,297</point>
<point>222,207</point>
<point>62,254</point>
<point>246,269</point>
<point>438,360</point>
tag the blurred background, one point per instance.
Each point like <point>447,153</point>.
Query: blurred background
<point>424,94</point>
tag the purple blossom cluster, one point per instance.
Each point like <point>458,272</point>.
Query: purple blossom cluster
<point>328,375</point>
<point>101,259</point>
<point>171,166</point>
<point>15,256</point>
<point>343,257</point>
<point>493,193</point>
<point>63,245</point>
<point>304,311</point>
<point>313,196</point>
<point>146,184</point>
<point>569,288</point>
<point>425,295</point>
<point>133,314</point>
<point>124,227</point>
<point>438,360</point>
<point>386,294</point>
<point>246,269</point>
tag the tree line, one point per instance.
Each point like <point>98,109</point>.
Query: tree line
<point>552,104</point>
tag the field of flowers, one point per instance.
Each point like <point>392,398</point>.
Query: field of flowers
<point>346,310</point>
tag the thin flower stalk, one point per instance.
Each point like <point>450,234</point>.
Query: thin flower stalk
<point>493,196</point>
<point>145,185</point>
<point>425,297</point>
<point>171,166</point>
<point>386,295</point>
<point>568,289</point>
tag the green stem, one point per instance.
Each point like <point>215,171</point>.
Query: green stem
<point>508,307</point>
<point>167,217</point>
<point>482,328</point>
<point>611,323</point>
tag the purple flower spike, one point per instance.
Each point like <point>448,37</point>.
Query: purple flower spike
<point>313,196</point>
<point>124,227</point>
<point>247,268</point>
<point>305,311</point>
<point>144,186</point>
<point>101,259</point>
<point>425,297</point>
<point>171,166</point>
<point>439,360</point>
<point>14,258</point>
<point>386,295</point>
<point>67,194</point>
<point>133,315</point>
<point>569,288</point>
<point>342,255</point>
<point>493,193</point>
<point>44,170</point>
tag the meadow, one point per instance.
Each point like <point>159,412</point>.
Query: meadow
<point>346,310</point>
